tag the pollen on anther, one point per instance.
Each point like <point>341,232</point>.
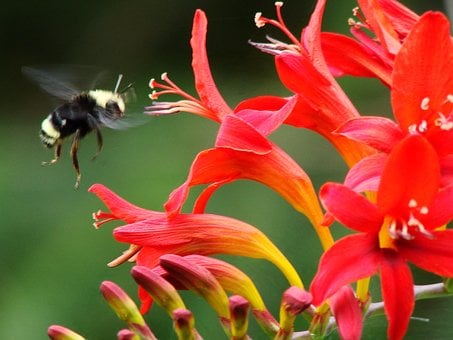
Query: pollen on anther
<point>351,22</point>
<point>425,104</point>
<point>423,126</point>
<point>355,10</point>
<point>259,22</point>
<point>152,82</point>
<point>424,210</point>
<point>412,203</point>
<point>153,95</point>
<point>164,76</point>
<point>278,3</point>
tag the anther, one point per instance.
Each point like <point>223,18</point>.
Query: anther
<point>425,104</point>
<point>259,22</point>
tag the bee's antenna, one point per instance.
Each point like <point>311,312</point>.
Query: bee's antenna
<point>125,89</point>
<point>120,76</point>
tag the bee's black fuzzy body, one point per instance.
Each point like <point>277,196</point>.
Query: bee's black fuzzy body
<point>79,114</point>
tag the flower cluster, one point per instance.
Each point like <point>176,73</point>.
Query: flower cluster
<point>396,196</point>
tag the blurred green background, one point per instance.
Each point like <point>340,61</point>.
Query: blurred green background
<point>52,260</point>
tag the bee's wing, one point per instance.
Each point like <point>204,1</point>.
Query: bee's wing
<point>58,88</point>
<point>119,123</point>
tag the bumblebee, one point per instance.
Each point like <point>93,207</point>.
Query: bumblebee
<point>80,114</point>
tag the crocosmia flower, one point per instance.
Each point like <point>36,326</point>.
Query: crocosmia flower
<point>405,225</point>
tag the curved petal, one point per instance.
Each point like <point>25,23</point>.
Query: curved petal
<point>272,103</point>
<point>324,106</point>
<point>434,255</point>
<point>378,132</point>
<point>266,121</point>
<point>236,134</point>
<point>446,168</point>
<point>276,170</point>
<point>441,209</point>
<point>380,25</point>
<point>350,259</point>
<point>202,234</point>
<point>365,175</point>
<point>442,140</point>
<point>397,292</point>
<point>412,172</point>
<point>350,208</point>
<point>204,83</point>
<point>347,312</point>
<point>401,17</point>
<point>423,69</point>
<point>120,208</point>
<point>355,60</point>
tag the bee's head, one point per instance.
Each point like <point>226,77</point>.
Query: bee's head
<point>111,101</point>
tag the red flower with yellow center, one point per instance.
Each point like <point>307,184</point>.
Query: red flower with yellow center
<point>405,225</point>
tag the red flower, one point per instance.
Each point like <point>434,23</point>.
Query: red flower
<point>242,149</point>
<point>402,226</point>
<point>152,234</point>
<point>322,105</point>
<point>369,56</point>
<point>421,96</point>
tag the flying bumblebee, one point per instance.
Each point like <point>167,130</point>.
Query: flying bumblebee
<point>80,114</point>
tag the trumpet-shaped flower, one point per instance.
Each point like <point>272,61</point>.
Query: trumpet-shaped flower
<point>421,95</point>
<point>154,234</point>
<point>242,149</point>
<point>402,226</point>
<point>389,22</point>
<point>322,104</point>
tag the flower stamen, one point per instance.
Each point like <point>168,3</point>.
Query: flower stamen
<point>127,255</point>
<point>411,222</point>
<point>424,105</point>
<point>422,127</point>
<point>260,21</point>
<point>189,104</point>
<point>101,217</point>
<point>443,122</point>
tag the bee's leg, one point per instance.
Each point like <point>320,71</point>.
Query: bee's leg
<point>100,142</point>
<point>57,155</point>
<point>75,161</point>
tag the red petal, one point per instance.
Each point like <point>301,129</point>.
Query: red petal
<point>350,208</point>
<point>355,60</point>
<point>401,17</point>
<point>311,39</point>
<point>300,116</point>
<point>434,255</point>
<point>276,170</point>
<point>446,167</point>
<point>398,294</point>
<point>272,103</point>
<point>423,69</point>
<point>412,172</point>
<point>202,200</point>
<point>236,134</point>
<point>441,209</point>
<point>380,25</point>
<point>347,312</point>
<point>267,121</point>
<point>121,208</point>
<point>378,132</point>
<point>204,83</point>
<point>202,234</point>
<point>350,259</point>
<point>366,174</point>
<point>294,70</point>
